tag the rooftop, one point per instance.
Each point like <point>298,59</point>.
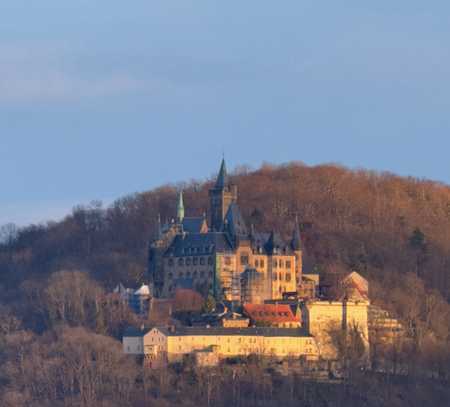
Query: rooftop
<point>220,331</point>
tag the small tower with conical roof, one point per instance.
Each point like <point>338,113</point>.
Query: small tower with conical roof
<point>296,245</point>
<point>180,207</point>
<point>221,196</point>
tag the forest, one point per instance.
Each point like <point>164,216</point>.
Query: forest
<point>60,326</point>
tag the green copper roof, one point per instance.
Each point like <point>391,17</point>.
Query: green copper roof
<point>180,207</point>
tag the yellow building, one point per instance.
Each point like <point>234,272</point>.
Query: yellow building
<point>170,345</point>
<point>323,318</point>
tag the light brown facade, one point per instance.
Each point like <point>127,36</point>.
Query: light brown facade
<point>172,347</point>
<point>321,318</point>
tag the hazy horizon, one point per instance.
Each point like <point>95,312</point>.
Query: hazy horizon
<point>99,100</point>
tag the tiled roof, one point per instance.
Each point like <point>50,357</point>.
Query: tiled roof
<point>213,331</point>
<point>274,313</point>
<point>356,286</point>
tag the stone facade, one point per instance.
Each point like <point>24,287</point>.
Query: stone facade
<point>322,318</point>
<point>212,259</point>
<point>173,344</point>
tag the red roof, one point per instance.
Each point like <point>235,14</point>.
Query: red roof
<point>270,313</point>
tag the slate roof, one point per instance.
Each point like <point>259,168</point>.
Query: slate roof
<point>296,242</point>
<point>234,222</point>
<point>135,332</point>
<point>275,244</point>
<point>213,331</point>
<point>193,225</point>
<point>199,244</point>
<point>222,178</point>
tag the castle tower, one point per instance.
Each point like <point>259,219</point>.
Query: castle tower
<point>296,244</point>
<point>221,196</point>
<point>180,207</point>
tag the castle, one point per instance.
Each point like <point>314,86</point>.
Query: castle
<point>223,257</point>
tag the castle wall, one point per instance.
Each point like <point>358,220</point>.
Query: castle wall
<point>322,318</point>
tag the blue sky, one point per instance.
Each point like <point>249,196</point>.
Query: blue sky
<point>103,98</point>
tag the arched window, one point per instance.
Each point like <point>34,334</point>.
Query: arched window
<point>181,262</point>
<point>195,261</point>
<point>188,261</point>
<point>170,262</point>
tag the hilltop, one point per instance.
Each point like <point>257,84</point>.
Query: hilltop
<point>392,230</point>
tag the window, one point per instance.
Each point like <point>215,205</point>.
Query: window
<point>210,260</point>
<point>227,260</point>
<point>261,263</point>
<point>181,262</point>
<point>170,262</point>
<point>256,263</point>
<point>170,275</point>
<point>288,264</point>
<point>195,275</point>
<point>288,277</point>
<point>195,261</point>
<point>202,261</point>
<point>210,273</point>
<point>180,274</point>
<point>280,263</point>
<point>281,276</point>
<point>244,260</point>
<point>188,261</point>
<point>275,276</point>
<point>202,273</point>
<point>275,263</point>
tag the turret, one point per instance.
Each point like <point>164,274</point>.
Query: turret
<point>222,195</point>
<point>180,207</point>
<point>296,245</point>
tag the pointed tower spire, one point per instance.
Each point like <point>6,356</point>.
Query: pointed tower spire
<point>222,177</point>
<point>296,242</point>
<point>159,227</point>
<point>180,207</point>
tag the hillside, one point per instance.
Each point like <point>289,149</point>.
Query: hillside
<point>393,230</point>
<point>378,224</point>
